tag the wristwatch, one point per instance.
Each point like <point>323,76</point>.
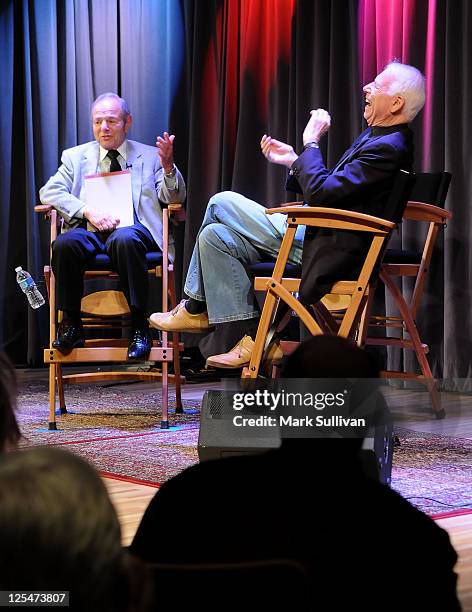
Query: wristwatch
<point>311,145</point>
<point>171,174</point>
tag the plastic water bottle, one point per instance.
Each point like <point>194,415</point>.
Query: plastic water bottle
<point>28,286</point>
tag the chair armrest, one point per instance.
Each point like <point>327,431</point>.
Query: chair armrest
<point>43,208</point>
<point>51,215</point>
<point>177,212</point>
<point>287,205</point>
<point>336,218</point>
<point>420,211</point>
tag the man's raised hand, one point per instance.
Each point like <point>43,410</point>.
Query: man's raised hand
<point>317,125</point>
<point>165,149</point>
<point>277,152</point>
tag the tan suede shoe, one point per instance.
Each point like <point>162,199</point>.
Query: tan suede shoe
<point>240,355</point>
<point>180,320</point>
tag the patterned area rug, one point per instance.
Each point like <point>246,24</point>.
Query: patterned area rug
<point>434,472</point>
<point>118,431</point>
<point>116,428</point>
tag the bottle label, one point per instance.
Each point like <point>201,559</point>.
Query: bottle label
<point>26,283</point>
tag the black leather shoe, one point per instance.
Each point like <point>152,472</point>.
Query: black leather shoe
<point>70,335</point>
<point>140,343</point>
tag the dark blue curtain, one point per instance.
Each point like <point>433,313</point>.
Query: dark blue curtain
<point>6,138</point>
<point>56,57</point>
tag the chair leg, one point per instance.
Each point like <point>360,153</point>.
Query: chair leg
<point>178,391</point>
<point>175,342</point>
<point>60,389</point>
<point>165,395</point>
<point>52,397</point>
<point>252,370</point>
<point>420,353</point>
<point>365,318</point>
<point>425,369</point>
<point>435,397</point>
<point>325,319</point>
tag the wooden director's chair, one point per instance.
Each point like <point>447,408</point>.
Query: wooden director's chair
<point>280,291</point>
<point>109,310</point>
<point>425,213</point>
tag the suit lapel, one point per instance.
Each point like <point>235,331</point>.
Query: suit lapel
<point>370,134</point>
<point>89,161</point>
<point>353,149</point>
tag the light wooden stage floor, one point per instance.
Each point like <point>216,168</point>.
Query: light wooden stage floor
<point>130,501</point>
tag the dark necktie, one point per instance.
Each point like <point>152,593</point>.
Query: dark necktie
<point>115,165</point>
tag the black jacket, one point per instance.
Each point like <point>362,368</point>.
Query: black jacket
<point>361,181</point>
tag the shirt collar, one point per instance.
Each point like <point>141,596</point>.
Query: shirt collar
<point>380,130</point>
<point>122,150</point>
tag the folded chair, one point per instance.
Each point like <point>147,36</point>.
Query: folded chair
<point>109,310</point>
<point>426,215</point>
<point>281,290</point>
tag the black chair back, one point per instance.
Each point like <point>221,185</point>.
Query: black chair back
<point>399,196</point>
<point>431,187</point>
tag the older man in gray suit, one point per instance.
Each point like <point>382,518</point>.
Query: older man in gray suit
<point>154,177</point>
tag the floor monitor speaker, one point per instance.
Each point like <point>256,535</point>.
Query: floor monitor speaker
<point>219,438</point>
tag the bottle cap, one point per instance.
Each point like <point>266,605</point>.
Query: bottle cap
<point>18,269</point>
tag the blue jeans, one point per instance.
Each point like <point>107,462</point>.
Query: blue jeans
<point>235,233</point>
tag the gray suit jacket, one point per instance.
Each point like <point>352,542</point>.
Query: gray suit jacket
<point>66,189</point>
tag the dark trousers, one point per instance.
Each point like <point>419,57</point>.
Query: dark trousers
<point>73,251</point>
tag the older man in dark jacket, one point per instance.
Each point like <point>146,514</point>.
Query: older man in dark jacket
<point>236,232</point>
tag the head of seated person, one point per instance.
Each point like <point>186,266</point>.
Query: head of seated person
<point>59,530</point>
<point>9,430</point>
<point>332,365</point>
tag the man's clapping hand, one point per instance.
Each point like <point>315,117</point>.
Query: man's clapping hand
<point>277,152</point>
<point>318,124</point>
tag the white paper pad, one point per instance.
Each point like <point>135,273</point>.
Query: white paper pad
<point>111,192</point>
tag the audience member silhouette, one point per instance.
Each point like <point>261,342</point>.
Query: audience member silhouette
<point>365,547</point>
<point>9,430</point>
<point>59,531</point>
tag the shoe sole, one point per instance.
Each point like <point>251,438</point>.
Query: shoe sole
<point>143,358</point>
<point>192,330</point>
<point>222,366</point>
<point>67,350</point>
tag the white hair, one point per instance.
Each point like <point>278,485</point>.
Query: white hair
<point>408,82</point>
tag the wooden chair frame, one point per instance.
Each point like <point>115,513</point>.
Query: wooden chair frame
<point>282,289</point>
<point>113,350</point>
<point>436,218</point>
